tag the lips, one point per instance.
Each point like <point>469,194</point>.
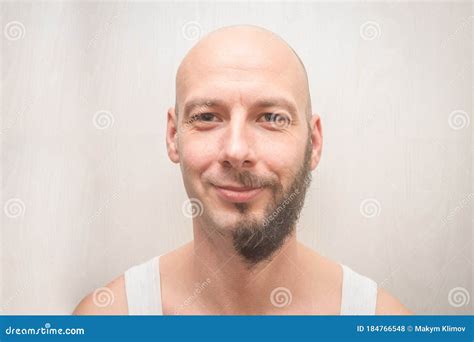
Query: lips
<point>237,194</point>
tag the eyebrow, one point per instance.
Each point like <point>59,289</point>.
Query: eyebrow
<point>202,102</point>
<point>277,102</point>
<point>260,103</point>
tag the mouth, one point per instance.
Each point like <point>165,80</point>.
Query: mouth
<point>237,194</point>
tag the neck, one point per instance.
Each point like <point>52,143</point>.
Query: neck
<point>236,287</point>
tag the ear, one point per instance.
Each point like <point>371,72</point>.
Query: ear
<point>172,136</point>
<point>316,139</point>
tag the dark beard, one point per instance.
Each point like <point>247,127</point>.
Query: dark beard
<point>256,241</point>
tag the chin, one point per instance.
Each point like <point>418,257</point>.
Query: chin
<point>230,222</point>
<point>226,222</point>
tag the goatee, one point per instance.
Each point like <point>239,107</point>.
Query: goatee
<point>257,241</point>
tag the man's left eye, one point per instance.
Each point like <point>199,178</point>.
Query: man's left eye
<point>280,120</point>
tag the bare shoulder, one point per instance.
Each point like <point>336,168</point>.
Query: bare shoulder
<point>389,305</point>
<point>108,300</point>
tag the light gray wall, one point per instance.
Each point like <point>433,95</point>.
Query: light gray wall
<point>87,193</point>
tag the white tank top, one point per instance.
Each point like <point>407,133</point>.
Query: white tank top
<point>143,290</point>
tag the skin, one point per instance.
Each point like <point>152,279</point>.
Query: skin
<point>237,67</point>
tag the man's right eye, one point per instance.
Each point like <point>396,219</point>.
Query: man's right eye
<point>206,117</point>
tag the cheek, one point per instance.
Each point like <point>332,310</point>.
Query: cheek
<point>197,153</point>
<point>195,157</point>
<point>281,154</point>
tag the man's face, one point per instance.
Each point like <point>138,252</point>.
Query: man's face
<point>243,139</point>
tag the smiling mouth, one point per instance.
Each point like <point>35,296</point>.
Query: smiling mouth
<point>237,194</point>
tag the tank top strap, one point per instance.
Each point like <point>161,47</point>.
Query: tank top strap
<point>143,288</point>
<point>359,293</point>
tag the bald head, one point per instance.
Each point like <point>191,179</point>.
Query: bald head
<point>243,55</point>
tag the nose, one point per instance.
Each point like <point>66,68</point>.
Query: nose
<point>237,148</point>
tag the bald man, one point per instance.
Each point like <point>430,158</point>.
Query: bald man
<point>246,139</point>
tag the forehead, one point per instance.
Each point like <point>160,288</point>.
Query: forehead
<point>246,86</point>
<point>242,71</point>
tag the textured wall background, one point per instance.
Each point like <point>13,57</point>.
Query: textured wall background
<point>88,190</point>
